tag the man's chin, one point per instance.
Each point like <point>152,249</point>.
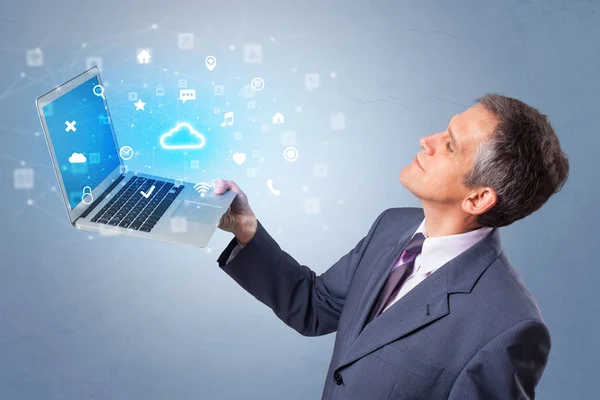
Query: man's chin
<point>404,180</point>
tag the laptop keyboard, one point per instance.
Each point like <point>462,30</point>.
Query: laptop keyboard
<point>129,209</point>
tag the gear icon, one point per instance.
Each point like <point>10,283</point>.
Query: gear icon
<point>290,154</point>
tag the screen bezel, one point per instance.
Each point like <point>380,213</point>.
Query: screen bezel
<point>49,97</point>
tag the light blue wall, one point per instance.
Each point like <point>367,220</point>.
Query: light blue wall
<point>120,318</point>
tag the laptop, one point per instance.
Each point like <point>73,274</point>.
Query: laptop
<point>99,192</point>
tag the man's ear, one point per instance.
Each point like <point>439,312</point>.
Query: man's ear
<point>480,201</point>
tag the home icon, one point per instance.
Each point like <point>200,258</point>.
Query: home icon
<point>278,118</point>
<point>144,57</point>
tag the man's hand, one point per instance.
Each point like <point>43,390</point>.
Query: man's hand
<point>239,218</point>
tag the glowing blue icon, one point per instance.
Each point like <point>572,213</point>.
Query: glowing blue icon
<point>290,154</point>
<point>211,62</point>
<point>257,84</point>
<point>187,94</point>
<point>193,140</point>
<point>99,91</point>
<point>202,188</point>
<point>87,197</point>
<point>77,158</point>
<point>70,126</point>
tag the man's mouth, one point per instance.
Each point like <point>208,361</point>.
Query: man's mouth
<point>416,161</point>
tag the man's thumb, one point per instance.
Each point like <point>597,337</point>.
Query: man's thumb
<point>218,186</point>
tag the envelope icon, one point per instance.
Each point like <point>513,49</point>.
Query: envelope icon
<point>126,153</point>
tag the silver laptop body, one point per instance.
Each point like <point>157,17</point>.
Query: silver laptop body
<point>189,218</point>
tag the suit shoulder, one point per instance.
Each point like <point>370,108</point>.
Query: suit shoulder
<point>392,218</point>
<point>518,298</point>
<point>402,215</point>
<point>404,212</point>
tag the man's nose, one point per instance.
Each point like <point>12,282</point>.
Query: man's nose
<point>425,144</point>
<point>428,143</point>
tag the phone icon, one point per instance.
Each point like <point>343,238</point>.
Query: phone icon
<point>272,189</point>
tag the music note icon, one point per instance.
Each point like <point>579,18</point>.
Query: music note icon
<point>228,119</point>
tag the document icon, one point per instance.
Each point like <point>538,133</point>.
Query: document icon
<point>312,81</point>
<point>252,53</point>
<point>35,57</point>
<point>23,178</point>
<point>338,122</point>
<point>185,41</point>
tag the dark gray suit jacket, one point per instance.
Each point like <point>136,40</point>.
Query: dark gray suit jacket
<point>471,330</point>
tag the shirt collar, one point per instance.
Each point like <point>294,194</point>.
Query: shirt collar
<point>437,251</point>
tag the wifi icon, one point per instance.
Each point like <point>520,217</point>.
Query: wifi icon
<point>202,188</point>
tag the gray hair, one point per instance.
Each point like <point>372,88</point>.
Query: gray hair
<point>522,161</point>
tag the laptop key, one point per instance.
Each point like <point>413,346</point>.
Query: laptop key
<point>145,228</point>
<point>158,213</point>
<point>135,225</point>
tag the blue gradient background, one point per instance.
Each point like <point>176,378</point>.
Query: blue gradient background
<point>87,316</point>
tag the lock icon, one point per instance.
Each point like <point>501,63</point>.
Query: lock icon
<point>87,197</point>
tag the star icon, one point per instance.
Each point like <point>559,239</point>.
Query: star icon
<point>139,105</point>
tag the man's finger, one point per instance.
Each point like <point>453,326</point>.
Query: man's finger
<point>220,186</point>
<point>235,188</point>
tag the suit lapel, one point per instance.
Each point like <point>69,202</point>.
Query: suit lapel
<point>392,249</point>
<point>425,303</point>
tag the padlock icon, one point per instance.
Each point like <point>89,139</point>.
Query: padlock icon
<point>87,197</point>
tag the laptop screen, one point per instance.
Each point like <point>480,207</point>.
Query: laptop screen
<point>79,127</point>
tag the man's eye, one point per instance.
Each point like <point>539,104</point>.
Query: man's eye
<point>449,148</point>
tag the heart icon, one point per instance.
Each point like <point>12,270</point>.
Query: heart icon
<point>239,158</point>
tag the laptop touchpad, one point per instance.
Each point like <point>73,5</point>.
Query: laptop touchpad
<point>199,218</point>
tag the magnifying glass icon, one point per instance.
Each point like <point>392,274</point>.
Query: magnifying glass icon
<point>99,91</point>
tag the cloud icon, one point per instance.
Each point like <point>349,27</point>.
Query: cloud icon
<point>187,138</point>
<point>77,158</point>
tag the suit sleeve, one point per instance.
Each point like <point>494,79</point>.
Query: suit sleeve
<point>508,367</point>
<point>308,303</point>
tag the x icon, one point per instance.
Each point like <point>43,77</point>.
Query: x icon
<point>70,126</point>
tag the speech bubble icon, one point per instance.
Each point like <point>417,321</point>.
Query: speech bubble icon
<point>187,94</point>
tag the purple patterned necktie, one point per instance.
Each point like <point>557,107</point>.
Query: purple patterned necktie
<point>398,275</point>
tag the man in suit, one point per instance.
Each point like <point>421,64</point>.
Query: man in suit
<point>427,304</point>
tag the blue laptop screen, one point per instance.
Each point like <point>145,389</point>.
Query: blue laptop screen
<point>82,139</point>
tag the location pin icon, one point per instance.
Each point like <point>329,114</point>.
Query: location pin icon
<point>211,62</point>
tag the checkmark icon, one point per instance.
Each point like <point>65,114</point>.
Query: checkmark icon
<point>146,195</point>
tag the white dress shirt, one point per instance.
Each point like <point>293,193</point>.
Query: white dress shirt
<point>436,252</point>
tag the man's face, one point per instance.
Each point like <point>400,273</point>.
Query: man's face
<point>445,161</point>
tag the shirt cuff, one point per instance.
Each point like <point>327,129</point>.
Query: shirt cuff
<point>235,251</point>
